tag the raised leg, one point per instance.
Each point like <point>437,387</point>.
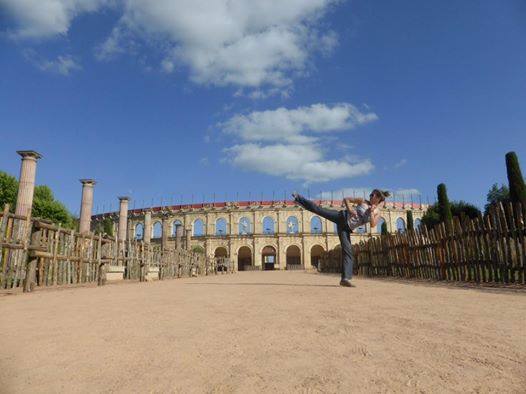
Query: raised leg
<point>329,214</point>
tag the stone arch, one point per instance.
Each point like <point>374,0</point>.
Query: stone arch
<point>418,224</point>
<point>316,226</point>
<point>269,225</point>
<point>175,224</point>
<point>157,230</point>
<point>244,257</point>
<point>400,225</point>
<point>221,251</point>
<point>139,231</point>
<point>379,225</point>
<point>268,257</point>
<point>221,227</point>
<point>293,257</point>
<point>198,227</point>
<point>244,226</point>
<point>315,255</point>
<point>292,225</point>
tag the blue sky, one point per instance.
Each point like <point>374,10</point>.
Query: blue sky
<point>174,98</point>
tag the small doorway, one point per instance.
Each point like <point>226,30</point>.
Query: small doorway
<point>244,258</point>
<point>293,257</point>
<point>268,255</point>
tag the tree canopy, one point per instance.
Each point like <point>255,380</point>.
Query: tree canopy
<point>458,208</point>
<point>44,204</point>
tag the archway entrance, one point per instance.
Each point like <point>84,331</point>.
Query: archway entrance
<point>221,252</point>
<point>293,257</point>
<point>315,255</point>
<point>244,258</point>
<point>268,256</point>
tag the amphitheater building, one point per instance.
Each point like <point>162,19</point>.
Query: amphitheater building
<point>257,235</point>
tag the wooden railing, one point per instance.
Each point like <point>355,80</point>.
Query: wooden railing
<point>490,249</point>
<point>36,253</point>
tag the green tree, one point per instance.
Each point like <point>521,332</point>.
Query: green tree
<point>515,179</point>
<point>463,208</point>
<point>458,208</point>
<point>46,207</point>
<point>410,221</point>
<point>8,190</point>
<point>107,226</point>
<point>495,195</point>
<point>444,208</point>
<point>384,228</point>
<point>198,249</point>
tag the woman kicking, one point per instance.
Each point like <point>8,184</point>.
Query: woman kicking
<point>365,211</point>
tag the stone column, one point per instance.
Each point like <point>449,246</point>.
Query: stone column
<point>26,187</point>
<point>178,237</point>
<point>188,238</point>
<point>123,218</point>
<point>86,205</point>
<point>147,227</point>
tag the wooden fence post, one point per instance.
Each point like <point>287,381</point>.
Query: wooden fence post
<point>31,262</point>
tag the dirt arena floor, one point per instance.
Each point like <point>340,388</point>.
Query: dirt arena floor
<point>269,332</point>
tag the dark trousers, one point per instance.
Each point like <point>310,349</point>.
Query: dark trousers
<point>344,231</point>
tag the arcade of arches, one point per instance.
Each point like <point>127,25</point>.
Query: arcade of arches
<point>257,235</point>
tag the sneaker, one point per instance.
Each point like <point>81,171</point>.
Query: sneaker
<point>346,283</point>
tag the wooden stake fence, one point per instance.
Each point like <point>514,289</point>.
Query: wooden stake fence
<point>36,253</point>
<point>490,249</point>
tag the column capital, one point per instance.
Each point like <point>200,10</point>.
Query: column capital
<point>88,182</point>
<point>124,198</point>
<point>29,154</point>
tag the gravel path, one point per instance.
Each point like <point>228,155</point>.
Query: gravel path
<point>264,332</point>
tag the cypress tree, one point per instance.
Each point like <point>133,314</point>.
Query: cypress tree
<point>515,179</point>
<point>410,221</point>
<point>444,208</point>
<point>384,228</point>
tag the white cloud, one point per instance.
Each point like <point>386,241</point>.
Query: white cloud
<point>303,162</point>
<point>286,142</point>
<point>291,125</point>
<point>255,44</point>
<point>401,163</point>
<point>407,192</point>
<point>46,18</point>
<point>63,65</point>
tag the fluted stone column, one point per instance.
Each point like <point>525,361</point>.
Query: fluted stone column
<point>26,187</point>
<point>123,218</point>
<point>86,205</point>
<point>147,227</point>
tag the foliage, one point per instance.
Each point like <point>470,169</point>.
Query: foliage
<point>515,179</point>
<point>384,228</point>
<point>107,226</point>
<point>410,221</point>
<point>444,208</point>
<point>44,204</point>
<point>458,208</point>
<point>198,249</point>
<point>495,195</point>
<point>46,207</point>
<point>8,190</point>
<point>463,208</point>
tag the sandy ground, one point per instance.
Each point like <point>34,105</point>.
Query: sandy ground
<point>264,332</point>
